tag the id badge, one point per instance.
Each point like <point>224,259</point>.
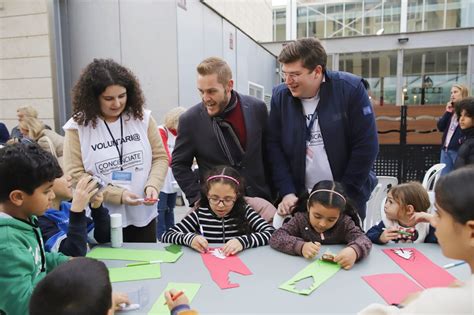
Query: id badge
<point>121,176</point>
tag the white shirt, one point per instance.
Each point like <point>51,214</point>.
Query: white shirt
<point>317,163</point>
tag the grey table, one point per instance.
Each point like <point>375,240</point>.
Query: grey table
<point>344,293</point>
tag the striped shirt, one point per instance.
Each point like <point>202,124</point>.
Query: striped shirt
<point>219,230</point>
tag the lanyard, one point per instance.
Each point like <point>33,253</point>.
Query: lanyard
<point>311,123</point>
<point>120,152</point>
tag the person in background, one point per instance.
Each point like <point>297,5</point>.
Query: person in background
<point>397,225</point>
<point>22,112</point>
<point>168,193</point>
<point>66,227</point>
<point>454,223</point>
<point>112,136</point>
<point>80,287</point>
<point>449,125</point>
<point>27,174</point>
<point>4,134</point>
<point>324,216</point>
<point>34,130</point>
<point>465,112</point>
<point>321,127</point>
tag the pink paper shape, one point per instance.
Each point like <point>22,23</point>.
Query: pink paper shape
<point>220,269</point>
<point>392,287</point>
<point>422,269</point>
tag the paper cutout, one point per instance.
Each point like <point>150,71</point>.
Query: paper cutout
<point>173,248</point>
<point>319,270</point>
<point>190,289</point>
<point>220,268</point>
<point>218,253</point>
<point>404,253</point>
<point>392,287</point>
<point>151,271</point>
<point>422,269</point>
<point>133,254</point>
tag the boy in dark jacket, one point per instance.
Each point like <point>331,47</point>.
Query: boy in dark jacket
<point>67,227</point>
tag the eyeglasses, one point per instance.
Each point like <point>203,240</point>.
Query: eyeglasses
<point>215,201</point>
<point>294,76</point>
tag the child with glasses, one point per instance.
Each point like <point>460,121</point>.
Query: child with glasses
<point>223,216</point>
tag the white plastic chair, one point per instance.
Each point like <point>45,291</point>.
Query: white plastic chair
<point>377,199</point>
<point>432,175</point>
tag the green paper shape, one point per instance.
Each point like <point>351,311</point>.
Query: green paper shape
<point>173,248</point>
<point>190,289</point>
<point>151,271</point>
<point>133,254</point>
<point>319,270</point>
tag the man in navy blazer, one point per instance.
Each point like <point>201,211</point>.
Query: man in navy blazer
<point>321,127</point>
<point>226,128</point>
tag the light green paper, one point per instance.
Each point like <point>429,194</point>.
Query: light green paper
<point>151,271</point>
<point>319,270</point>
<point>134,254</point>
<point>190,289</point>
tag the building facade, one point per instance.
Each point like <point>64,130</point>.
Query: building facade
<point>410,51</point>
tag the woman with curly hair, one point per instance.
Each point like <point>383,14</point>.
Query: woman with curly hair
<point>112,136</point>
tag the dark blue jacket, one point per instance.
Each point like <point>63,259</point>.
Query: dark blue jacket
<point>443,125</point>
<point>349,133</point>
<point>374,234</point>
<point>67,232</point>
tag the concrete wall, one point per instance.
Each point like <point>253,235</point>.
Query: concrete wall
<point>254,17</point>
<point>141,35</point>
<point>25,67</point>
<point>201,34</point>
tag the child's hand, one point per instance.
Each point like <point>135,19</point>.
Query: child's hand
<point>310,249</point>
<point>232,247</point>
<point>200,243</point>
<point>97,200</point>
<point>85,189</point>
<point>389,234</point>
<point>179,301</point>
<point>346,258</point>
<point>119,298</point>
<point>420,217</point>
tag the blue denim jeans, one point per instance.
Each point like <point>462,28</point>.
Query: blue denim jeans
<point>448,158</point>
<point>165,218</point>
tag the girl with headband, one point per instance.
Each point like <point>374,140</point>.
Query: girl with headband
<point>223,216</point>
<point>324,216</point>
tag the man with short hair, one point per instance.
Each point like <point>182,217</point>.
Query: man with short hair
<point>321,127</point>
<point>226,128</point>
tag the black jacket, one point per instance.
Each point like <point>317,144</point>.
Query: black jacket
<point>466,150</point>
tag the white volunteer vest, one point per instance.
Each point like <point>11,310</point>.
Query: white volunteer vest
<point>100,157</point>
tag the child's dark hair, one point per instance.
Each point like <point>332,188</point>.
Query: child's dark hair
<point>466,104</point>
<point>80,286</point>
<point>25,167</point>
<point>411,193</point>
<point>230,176</point>
<point>329,194</point>
<point>454,193</point>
